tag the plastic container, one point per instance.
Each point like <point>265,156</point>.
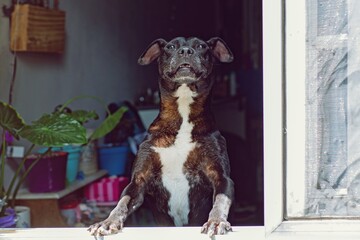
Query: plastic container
<point>23,217</point>
<point>89,156</point>
<point>114,159</point>
<point>70,211</point>
<point>72,167</point>
<point>106,190</point>
<point>48,175</point>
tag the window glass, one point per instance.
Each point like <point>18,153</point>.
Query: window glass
<point>332,109</point>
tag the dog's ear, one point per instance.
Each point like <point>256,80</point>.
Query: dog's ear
<point>152,52</point>
<point>220,50</point>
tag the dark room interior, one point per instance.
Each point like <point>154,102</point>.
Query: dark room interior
<point>102,44</point>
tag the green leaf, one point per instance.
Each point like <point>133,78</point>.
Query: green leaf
<point>10,120</point>
<point>83,116</point>
<point>55,130</point>
<point>108,124</point>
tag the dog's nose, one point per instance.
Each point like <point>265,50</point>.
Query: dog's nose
<point>185,51</point>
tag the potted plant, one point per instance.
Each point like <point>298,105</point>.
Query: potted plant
<point>51,130</point>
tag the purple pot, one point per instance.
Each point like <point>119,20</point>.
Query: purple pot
<point>8,221</point>
<point>48,175</point>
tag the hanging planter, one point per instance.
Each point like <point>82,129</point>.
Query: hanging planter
<point>9,220</point>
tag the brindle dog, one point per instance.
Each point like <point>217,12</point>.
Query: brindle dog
<point>183,163</point>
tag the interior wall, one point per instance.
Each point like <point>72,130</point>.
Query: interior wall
<point>100,59</point>
<point>103,43</point>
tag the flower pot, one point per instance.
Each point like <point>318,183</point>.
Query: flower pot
<point>49,174</point>
<point>23,217</point>
<point>70,211</point>
<point>72,163</point>
<point>73,159</point>
<point>9,220</point>
<point>89,159</point>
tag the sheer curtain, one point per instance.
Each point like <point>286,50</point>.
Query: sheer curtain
<point>333,108</point>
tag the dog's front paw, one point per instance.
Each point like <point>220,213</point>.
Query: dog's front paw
<point>216,227</point>
<point>106,227</point>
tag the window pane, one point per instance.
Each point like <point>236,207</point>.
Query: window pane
<point>332,109</point>
<point>331,17</point>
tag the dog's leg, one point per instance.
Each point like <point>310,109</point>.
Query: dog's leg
<point>132,196</point>
<point>217,222</point>
<point>223,194</point>
<point>131,199</point>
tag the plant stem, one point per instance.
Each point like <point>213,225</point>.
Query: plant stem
<point>19,168</point>
<point>67,103</point>
<point>23,177</point>
<point>2,173</point>
<point>12,83</point>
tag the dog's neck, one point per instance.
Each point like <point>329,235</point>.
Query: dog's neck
<point>178,100</point>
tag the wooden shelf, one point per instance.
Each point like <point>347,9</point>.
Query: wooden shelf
<point>44,207</point>
<point>25,194</point>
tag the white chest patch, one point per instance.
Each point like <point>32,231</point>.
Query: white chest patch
<point>174,157</point>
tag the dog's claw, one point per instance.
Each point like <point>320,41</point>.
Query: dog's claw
<point>106,227</point>
<point>216,227</point>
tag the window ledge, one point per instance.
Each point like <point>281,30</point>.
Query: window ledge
<point>317,229</point>
<point>133,233</point>
<point>288,230</point>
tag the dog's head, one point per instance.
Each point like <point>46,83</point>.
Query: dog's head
<point>186,60</point>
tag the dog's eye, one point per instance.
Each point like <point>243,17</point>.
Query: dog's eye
<point>201,46</point>
<point>171,47</point>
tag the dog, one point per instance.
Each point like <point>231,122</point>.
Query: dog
<point>182,165</point>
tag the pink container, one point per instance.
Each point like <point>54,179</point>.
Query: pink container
<point>106,190</point>
<point>49,174</point>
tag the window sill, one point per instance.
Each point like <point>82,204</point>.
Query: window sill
<point>316,229</point>
<point>289,230</point>
<point>173,233</point>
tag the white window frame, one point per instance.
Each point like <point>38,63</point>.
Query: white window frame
<point>284,37</point>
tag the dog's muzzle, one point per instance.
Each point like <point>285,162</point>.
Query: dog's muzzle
<point>185,71</point>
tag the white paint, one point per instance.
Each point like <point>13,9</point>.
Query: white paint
<point>174,157</point>
<point>133,233</point>
<point>293,230</point>
<point>295,107</point>
<point>273,114</point>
